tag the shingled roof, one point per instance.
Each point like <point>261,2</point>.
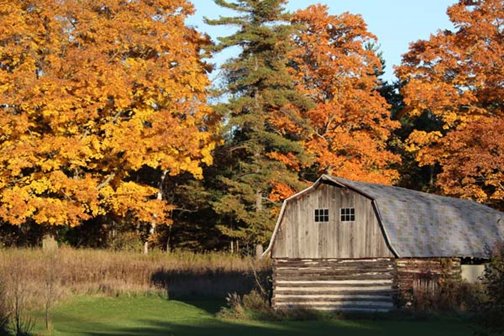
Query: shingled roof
<point>418,224</point>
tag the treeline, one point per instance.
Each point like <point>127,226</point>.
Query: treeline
<point>108,137</point>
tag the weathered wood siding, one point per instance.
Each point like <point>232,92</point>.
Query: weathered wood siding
<point>364,285</point>
<point>299,236</point>
<point>422,276</point>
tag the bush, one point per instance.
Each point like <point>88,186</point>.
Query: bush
<point>449,296</point>
<point>492,309</point>
<point>249,306</point>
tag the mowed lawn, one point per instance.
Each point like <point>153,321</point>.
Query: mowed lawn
<point>152,316</point>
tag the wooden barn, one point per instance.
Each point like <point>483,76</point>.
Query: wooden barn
<point>352,246</point>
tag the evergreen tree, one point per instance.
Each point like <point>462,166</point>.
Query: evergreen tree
<point>258,165</point>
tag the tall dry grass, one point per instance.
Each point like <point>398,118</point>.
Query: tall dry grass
<point>40,277</point>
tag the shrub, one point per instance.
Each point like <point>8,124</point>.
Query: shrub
<point>492,309</point>
<point>253,305</point>
<point>449,296</point>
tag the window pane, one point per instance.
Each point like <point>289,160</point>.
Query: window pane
<point>347,214</point>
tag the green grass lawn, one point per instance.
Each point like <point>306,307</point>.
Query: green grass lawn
<point>152,316</point>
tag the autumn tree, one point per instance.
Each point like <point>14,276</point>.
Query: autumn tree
<point>91,93</point>
<point>336,65</point>
<point>258,164</point>
<point>455,81</point>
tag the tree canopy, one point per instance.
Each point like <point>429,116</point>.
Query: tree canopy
<point>454,80</point>
<point>106,128</point>
<point>90,94</point>
<point>351,122</point>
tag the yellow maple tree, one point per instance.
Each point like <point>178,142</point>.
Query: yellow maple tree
<point>91,92</point>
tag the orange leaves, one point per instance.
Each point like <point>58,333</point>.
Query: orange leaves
<point>88,92</point>
<point>289,159</point>
<point>351,122</point>
<point>457,74</point>
<point>455,80</point>
<point>473,162</point>
<point>279,192</point>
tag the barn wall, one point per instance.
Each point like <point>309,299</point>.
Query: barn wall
<point>364,285</point>
<point>418,277</point>
<point>299,236</point>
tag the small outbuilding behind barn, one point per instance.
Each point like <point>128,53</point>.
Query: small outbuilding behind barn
<point>351,246</point>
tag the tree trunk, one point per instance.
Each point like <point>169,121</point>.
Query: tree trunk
<point>259,200</point>
<point>49,243</point>
<point>259,251</point>
<point>159,196</point>
<point>168,245</point>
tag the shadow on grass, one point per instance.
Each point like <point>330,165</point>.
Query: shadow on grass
<point>156,317</point>
<point>292,328</point>
<point>210,284</point>
<point>221,328</point>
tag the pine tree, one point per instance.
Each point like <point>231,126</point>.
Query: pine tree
<point>258,164</point>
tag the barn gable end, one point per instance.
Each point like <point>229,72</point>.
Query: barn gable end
<point>300,236</point>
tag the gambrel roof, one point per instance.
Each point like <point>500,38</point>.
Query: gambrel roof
<point>418,224</point>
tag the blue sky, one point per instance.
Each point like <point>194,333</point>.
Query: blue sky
<point>396,23</point>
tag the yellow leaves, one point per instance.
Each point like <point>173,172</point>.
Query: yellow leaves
<point>95,97</point>
<point>450,119</point>
<point>134,199</point>
<point>420,139</point>
<point>206,153</point>
<point>40,186</point>
<point>15,207</point>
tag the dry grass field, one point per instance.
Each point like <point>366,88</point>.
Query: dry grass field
<point>35,274</point>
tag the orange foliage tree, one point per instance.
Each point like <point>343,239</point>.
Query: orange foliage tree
<point>91,92</point>
<point>455,79</point>
<point>351,122</point>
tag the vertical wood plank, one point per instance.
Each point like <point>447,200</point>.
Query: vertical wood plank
<point>302,237</point>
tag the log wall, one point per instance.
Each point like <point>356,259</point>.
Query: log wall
<point>348,285</point>
<point>420,277</point>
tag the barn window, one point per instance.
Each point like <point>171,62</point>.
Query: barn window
<point>321,215</point>
<point>347,214</point>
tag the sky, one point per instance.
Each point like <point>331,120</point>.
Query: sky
<point>396,23</point>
